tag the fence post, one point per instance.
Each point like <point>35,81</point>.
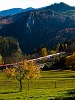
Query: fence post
<point>72,83</point>
<point>55,84</point>
<point>61,84</point>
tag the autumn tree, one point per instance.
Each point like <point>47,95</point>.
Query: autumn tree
<point>10,72</point>
<point>52,52</point>
<point>1,60</point>
<point>70,61</point>
<point>33,71</point>
<point>44,52</point>
<point>25,70</point>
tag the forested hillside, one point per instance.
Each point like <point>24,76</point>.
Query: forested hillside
<point>9,49</point>
<point>42,27</point>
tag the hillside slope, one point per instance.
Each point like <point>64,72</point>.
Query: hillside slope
<point>14,11</point>
<point>41,27</point>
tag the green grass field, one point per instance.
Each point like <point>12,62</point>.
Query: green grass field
<point>53,84</point>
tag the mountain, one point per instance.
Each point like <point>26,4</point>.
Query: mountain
<point>42,27</point>
<point>60,7</point>
<point>14,11</point>
<point>5,20</point>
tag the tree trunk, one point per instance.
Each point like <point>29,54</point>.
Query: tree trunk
<point>28,85</point>
<point>20,85</point>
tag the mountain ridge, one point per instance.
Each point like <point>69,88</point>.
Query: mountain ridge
<point>61,7</point>
<point>40,27</point>
<point>14,11</point>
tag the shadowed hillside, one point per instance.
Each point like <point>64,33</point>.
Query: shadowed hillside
<point>45,26</point>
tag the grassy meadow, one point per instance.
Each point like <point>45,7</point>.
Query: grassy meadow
<point>53,85</point>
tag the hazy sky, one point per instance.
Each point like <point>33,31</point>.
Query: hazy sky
<point>7,4</point>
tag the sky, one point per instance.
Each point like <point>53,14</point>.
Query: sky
<point>8,4</point>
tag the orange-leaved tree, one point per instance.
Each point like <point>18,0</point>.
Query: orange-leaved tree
<point>27,69</point>
<point>70,61</point>
<point>33,71</point>
<point>44,52</point>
